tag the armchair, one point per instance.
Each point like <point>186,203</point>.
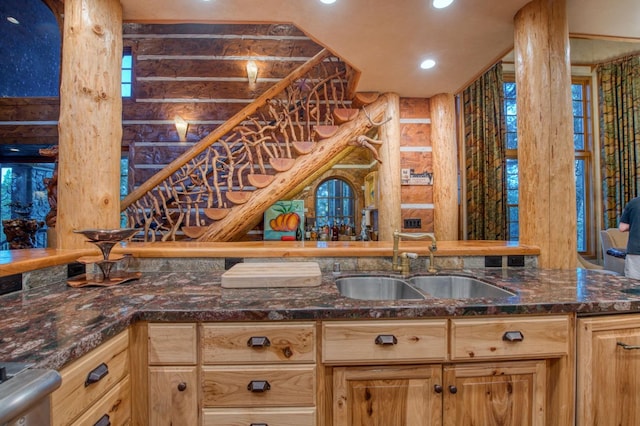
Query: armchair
<point>612,238</point>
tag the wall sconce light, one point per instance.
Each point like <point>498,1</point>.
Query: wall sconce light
<point>181,126</point>
<point>252,71</point>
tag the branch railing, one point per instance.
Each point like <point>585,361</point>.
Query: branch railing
<point>244,153</point>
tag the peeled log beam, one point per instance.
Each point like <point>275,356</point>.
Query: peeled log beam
<point>248,215</point>
<point>364,98</point>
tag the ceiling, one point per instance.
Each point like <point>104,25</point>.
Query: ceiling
<point>387,40</point>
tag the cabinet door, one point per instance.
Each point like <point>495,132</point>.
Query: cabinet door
<point>608,371</point>
<point>173,396</point>
<point>387,396</point>
<point>505,394</point>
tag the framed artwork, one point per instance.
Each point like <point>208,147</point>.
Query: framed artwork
<point>283,220</point>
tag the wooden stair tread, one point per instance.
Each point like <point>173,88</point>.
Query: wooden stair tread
<point>194,231</point>
<point>238,197</point>
<point>342,115</point>
<point>325,132</point>
<point>260,180</point>
<point>216,213</point>
<point>364,98</point>
<point>281,164</point>
<point>303,147</point>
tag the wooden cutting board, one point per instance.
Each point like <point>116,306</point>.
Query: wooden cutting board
<point>272,274</point>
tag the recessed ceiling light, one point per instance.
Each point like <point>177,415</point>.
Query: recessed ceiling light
<point>427,63</point>
<point>328,1</point>
<point>12,20</point>
<point>441,4</point>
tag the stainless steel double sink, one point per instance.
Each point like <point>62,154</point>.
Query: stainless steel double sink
<point>373,287</point>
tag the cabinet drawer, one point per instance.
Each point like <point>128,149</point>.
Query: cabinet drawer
<point>258,343</point>
<point>259,416</point>
<point>488,338</point>
<point>76,394</point>
<point>114,406</point>
<point>172,344</point>
<point>384,341</point>
<point>293,385</point>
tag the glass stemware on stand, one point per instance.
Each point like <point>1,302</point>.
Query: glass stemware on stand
<point>104,239</point>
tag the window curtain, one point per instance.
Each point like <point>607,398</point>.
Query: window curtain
<point>484,132</point>
<point>619,92</point>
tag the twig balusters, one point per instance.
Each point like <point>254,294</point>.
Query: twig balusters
<point>366,142</point>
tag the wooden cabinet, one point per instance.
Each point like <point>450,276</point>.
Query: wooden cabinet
<point>259,374</point>
<point>96,386</point>
<point>172,374</point>
<point>608,368</point>
<point>459,372</point>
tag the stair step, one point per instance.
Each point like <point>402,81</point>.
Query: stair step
<point>303,148</point>
<point>194,231</point>
<point>364,98</point>
<point>325,132</point>
<point>216,213</point>
<point>342,115</point>
<point>238,197</point>
<point>281,164</point>
<point>260,180</point>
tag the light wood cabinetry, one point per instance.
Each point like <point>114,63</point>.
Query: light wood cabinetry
<point>458,372</point>
<point>96,386</point>
<point>172,374</point>
<point>259,374</point>
<point>608,369</point>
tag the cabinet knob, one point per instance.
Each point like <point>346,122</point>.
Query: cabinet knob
<point>513,336</point>
<point>453,389</point>
<point>182,386</point>
<point>96,374</point>
<point>258,386</point>
<point>386,339</point>
<point>258,342</point>
<point>103,421</point>
<point>437,388</point>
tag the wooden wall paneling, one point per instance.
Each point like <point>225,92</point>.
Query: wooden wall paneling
<point>414,108</point>
<point>417,194</point>
<point>415,133</point>
<point>29,109</point>
<point>547,210</point>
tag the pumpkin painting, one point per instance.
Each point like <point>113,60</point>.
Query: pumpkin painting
<point>283,219</point>
<point>285,222</point>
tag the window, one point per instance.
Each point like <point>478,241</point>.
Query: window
<point>582,139</point>
<point>334,203</point>
<point>127,73</point>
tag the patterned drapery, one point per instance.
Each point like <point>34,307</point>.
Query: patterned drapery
<point>484,131</point>
<point>619,92</point>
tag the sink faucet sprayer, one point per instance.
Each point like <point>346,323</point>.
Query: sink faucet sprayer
<point>404,265</point>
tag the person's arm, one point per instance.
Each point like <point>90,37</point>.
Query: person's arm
<point>623,227</point>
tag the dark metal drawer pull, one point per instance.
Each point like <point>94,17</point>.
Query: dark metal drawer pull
<point>453,389</point>
<point>627,347</point>
<point>437,388</point>
<point>513,336</point>
<point>258,342</point>
<point>182,386</point>
<point>104,421</point>
<point>258,386</point>
<point>96,374</point>
<point>386,339</point>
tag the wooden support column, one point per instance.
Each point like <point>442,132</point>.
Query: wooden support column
<point>389,214</point>
<point>90,125</point>
<point>445,167</point>
<point>547,207</point>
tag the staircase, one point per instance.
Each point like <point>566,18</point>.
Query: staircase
<point>219,189</point>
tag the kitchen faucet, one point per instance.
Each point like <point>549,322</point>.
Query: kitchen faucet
<point>403,265</point>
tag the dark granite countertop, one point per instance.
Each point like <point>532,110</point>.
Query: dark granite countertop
<point>55,324</point>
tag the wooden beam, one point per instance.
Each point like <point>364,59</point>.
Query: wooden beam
<point>389,201</point>
<point>222,130</point>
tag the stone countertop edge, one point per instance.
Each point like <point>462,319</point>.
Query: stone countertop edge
<point>53,325</point>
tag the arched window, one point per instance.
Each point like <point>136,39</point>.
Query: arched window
<point>335,203</point>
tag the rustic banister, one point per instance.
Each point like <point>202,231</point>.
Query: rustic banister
<point>223,129</point>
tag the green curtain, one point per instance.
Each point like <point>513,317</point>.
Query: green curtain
<point>619,92</point>
<point>484,132</point>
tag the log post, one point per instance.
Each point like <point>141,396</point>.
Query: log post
<point>90,125</point>
<point>547,207</point>
<point>445,167</point>
<point>389,181</point>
